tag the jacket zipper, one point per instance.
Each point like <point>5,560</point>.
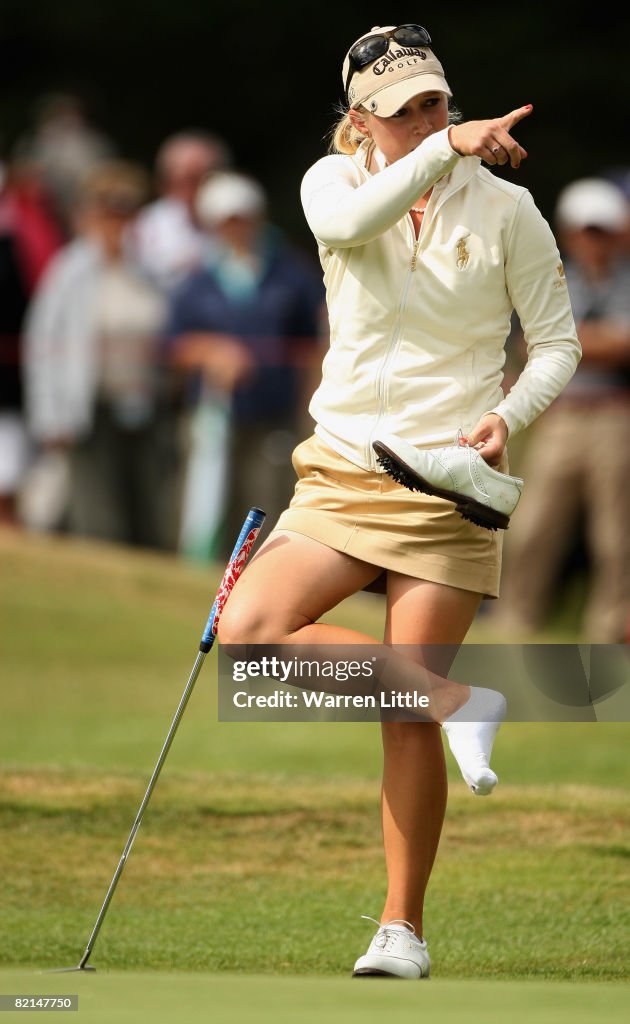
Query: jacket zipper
<point>380,386</point>
<point>414,254</point>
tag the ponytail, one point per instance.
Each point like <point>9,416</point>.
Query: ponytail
<point>344,137</point>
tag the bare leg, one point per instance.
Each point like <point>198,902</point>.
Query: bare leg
<point>414,774</point>
<point>290,584</point>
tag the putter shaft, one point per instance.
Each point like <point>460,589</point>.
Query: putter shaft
<point>246,540</point>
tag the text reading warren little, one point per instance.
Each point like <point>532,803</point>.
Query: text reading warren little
<point>297,671</point>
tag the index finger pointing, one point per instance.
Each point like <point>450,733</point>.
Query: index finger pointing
<point>509,120</point>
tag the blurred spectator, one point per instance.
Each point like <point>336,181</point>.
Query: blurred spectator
<point>91,374</point>
<point>167,238</point>
<point>29,236</point>
<point>620,176</point>
<point>66,147</point>
<point>577,462</point>
<point>246,324</point>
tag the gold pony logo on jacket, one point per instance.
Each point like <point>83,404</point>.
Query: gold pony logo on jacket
<point>462,253</point>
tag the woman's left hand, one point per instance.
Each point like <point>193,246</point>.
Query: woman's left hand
<point>489,437</point>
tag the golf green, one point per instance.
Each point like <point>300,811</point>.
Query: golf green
<point>226,998</point>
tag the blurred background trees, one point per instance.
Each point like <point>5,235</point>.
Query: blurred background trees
<point>266,77</point>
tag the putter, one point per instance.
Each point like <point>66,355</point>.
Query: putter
<point>244,544</point>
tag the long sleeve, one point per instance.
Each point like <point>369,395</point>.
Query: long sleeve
<point>43,378</point>
<point>537,286</point>
<point>343,211</point>
<point>58,354</point>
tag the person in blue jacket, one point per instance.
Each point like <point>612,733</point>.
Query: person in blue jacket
<point>245,325</point>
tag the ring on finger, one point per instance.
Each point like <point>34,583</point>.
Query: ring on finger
<point>495,149</point>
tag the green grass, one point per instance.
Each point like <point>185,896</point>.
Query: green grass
<point>261,846</point>
<point>97,646</point>
<point>534,882</point>
<point>226,999</point>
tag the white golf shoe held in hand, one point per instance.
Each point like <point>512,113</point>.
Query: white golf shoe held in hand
<point>458,473</point>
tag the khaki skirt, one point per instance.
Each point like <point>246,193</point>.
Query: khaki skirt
<point>371,517</point>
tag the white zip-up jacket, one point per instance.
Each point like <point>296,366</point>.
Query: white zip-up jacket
<point>418,328</point>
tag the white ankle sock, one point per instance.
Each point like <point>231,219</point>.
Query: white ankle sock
<point>471,731</point>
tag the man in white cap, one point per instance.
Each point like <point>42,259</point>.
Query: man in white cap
<point>245,324</point>
<point>578,458</point>
<point>167,238</point>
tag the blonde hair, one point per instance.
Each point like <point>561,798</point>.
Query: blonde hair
<point>345,138</point>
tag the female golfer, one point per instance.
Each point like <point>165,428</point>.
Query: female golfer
<point>425,255</point>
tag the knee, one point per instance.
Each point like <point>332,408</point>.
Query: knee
<point>243,623</point>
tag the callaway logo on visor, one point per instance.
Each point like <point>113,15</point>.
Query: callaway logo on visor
<point>381,65</point>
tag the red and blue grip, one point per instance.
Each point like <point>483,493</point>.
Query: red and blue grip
<point>246,540</point>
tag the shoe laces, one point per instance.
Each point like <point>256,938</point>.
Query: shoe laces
<point>458,439</point>
<point>471,448</point>
<point>386,935</point>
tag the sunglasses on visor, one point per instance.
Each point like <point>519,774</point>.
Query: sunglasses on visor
<point>372,47</point>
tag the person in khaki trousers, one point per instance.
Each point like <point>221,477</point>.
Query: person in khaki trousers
<point>577,462</point>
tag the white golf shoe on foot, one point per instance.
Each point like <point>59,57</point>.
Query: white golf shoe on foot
<point>394,952</point>
<point>457,473</point>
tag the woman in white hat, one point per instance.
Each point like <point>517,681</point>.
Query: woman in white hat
<point>425,255</point>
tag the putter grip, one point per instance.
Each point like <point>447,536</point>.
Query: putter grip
<point>246,540</point>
